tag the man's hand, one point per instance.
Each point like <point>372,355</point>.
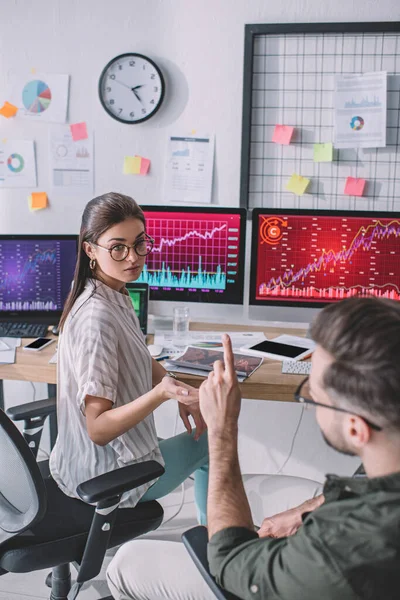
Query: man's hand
<point>220,396</point>
<point>288,522</point>
<point>194,411</point>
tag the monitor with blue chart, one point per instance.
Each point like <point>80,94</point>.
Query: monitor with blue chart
<point>198,254</point>
<point>310,258</point>
<point>36,272</point>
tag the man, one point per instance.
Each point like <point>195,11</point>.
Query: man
<point>348,547</point>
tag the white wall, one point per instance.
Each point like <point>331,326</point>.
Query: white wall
<point>199,46</point>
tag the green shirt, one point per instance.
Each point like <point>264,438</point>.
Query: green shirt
<point>347,549</point>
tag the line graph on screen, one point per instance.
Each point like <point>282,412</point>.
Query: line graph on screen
<point>318,258</point>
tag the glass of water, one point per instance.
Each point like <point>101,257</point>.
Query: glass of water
<point>180,326</point>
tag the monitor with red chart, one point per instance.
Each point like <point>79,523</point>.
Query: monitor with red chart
<point>198,254</point>
<point>314,257</point>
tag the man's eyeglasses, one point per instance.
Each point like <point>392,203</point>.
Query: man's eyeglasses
<point>119,252</point>
<point>302,394</point>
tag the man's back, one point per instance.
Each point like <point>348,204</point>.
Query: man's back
<point>349,548</point>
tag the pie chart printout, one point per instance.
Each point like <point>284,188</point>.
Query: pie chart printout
<point>36,96</point>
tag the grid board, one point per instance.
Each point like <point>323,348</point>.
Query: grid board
<point>289,79</point>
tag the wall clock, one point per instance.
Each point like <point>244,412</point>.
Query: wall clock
<point>131,88</point>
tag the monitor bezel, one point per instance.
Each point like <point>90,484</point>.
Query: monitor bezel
<point>39,316</point>
<point>173,296</point>
<point>253,301</point>
<point>133,285</point>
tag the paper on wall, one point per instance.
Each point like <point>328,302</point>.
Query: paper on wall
<point>189,169</point>
<point>360,110</point>
<point>17,164</point>
<point>40,96</point>
<point>71,163</point>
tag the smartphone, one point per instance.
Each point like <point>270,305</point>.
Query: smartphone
<point>270,349</point>
<point>38,344</point>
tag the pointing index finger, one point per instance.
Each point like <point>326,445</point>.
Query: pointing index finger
<point>228,356</point>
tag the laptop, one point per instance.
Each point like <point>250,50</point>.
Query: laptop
<point>139,294</point>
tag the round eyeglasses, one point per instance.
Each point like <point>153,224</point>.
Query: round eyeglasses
<point>120,252</point>
<point>302,394</point>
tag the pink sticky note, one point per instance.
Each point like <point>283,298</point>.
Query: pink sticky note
<point>354,186</point>
<point>79,131</point>
<point>282,134</point>
<point>144,166</point>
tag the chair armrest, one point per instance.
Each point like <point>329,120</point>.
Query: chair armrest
<point>30,410</point>
<point>195,541</point>
<point>119,481</point>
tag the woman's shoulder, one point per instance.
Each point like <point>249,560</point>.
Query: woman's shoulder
<point>91,308</point>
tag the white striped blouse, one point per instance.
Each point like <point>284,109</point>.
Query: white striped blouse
<point>101,352</point>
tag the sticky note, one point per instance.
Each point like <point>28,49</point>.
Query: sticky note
<point>132,165</point>
<point>282,134</point>
<point>144,166</point>
<point>8,110</point>
<point>323,152</point>
<point>297,184</point>
<point>354,186</point>
<point>37,200</point>
<point>79,131</point>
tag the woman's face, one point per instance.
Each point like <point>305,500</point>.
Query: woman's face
<point>117,273</point>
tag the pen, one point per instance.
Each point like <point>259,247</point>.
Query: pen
<point>163,357</point>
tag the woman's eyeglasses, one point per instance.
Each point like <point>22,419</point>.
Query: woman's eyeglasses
<point>120,252</point>
<point>302,394</point>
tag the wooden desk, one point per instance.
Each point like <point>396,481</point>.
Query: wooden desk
<point>267,383</point>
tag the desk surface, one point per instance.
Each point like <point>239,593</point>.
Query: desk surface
<point>267,383</point>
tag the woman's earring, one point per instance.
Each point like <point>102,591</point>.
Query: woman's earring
<point>92,264</point>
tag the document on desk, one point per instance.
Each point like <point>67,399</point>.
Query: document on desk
<point>7,357</point>
<point>207,339</point>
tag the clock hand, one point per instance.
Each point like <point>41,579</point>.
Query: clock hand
<point>136,87</point>
<point>122,83</point>
<point>137,95</point>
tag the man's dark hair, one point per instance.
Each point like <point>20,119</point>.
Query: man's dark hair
<point>363,336</point>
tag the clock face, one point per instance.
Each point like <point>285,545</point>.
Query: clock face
<point>131,88</point>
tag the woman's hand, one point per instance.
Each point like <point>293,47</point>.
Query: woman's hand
<point>194,411</point>
<point>172,388</point>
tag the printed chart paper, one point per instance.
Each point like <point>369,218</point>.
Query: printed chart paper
<point>360,110</point>
<point>41,97</point>
<point>189,169</point>
<point>17,164</point>
<point>71,163</point>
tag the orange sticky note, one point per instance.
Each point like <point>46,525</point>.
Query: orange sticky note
<point>144,166</point>
<point>297,184</point>
<point>8,110</point>
<point>354,186</point>
<point>37,200</point>
<point>132,165</point>
<point>79,131</point>
<point>282,134</point>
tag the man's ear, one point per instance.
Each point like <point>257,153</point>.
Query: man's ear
<point>359,432</point>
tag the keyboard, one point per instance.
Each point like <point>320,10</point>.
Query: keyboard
<point>296,367</point>
<point>23,330</point>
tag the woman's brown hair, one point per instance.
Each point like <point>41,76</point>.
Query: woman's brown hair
<point>100,214</point>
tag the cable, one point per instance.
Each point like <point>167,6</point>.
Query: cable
<point>46,454</point>
<point>34,391</point>
<point>293,441</point>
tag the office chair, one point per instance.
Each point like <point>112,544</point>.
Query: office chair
<point>41,527</point>
<point>195,541</point>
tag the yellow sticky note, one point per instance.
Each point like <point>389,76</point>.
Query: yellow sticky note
<point>297,184</point>
<point>323,152</point>
<point>8,110</point>
<point>132,165</point>
<point>37,200</point>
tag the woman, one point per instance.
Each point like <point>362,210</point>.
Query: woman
<point>108,384</point>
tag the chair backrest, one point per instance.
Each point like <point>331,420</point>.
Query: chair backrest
<point>23,498</point>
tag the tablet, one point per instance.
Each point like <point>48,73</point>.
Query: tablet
<point>278,350</point>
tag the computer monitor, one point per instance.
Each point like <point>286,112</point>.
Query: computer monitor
<point>311,258</point>
<point>198,255</point>
<point>36,272</point>
<point>139,294</point>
